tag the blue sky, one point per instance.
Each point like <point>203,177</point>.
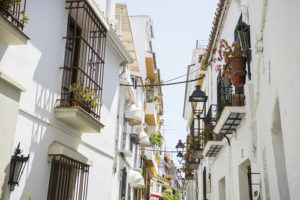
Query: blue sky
<point>177,26</point>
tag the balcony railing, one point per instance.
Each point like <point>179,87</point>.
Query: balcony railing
<point>15,12</point>
<point>225,97</point>
<point>151,95</point>
<point>84,59</point>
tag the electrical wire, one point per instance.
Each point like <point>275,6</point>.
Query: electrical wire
<point>163,151</point>
<point>182,76</point>
<point>163,84</point>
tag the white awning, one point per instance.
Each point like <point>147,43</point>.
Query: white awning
<point>133,115</point>
<point>135,179</point>
<point>144,139</point>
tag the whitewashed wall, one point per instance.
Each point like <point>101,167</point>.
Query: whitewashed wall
<point>267,138</point>
<point>36,66</point>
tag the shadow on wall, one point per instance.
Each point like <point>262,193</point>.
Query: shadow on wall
<point>279,153</point>
<point>3,48</point>
<point>5,185</point>
<point>36,176</point>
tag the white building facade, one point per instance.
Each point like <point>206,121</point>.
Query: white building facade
<point>56,75</point>
<point>258,159</point>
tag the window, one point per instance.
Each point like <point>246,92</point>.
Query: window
<point>242,37</point>
<point>204,183</point>
<point>68,179</point>
<point>123,183</point>
<point>84,59</point>
<point>135,194</point>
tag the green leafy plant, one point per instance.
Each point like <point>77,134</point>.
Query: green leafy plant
<point>156,138</point>
<point>85,95</point>
<point>225,52</point>
<point>12,6</point>
<point>207,132</point>
<point>171,193</point>
<point>29,196</point>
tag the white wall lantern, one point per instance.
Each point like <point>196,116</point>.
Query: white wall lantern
<point>133,115</point>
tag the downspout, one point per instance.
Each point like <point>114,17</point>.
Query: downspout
<point>123,64</point>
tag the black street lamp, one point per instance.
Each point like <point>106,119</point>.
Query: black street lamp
<point>180,149</point>
<point>197,96</point>
<point>17,165</point>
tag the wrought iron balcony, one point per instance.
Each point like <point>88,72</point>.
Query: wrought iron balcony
<point>189,176</point>
<point>14,11</point>
<point>192,164</point>
<point>230,109</point>
<point>225,97</point>
<point>82,81</point>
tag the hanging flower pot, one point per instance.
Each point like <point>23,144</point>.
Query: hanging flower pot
<point>236,58</point>
<point>238,78</point>
<point>238,70</point>
<point>238,63</point>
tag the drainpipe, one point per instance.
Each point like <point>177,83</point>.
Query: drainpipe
<point>123,65</point>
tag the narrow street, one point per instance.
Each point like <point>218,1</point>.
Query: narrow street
<point>149,100</point>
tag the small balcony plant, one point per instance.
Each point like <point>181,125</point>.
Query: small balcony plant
<point>14,7</point>
<point>85,95</point>
<point>156,139</point>
<point>234,58</point>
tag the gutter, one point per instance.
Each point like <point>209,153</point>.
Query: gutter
<point>112,36</point>
<point>118,45</point>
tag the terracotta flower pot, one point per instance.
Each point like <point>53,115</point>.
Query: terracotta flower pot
<point>238,72</point>
<point>197,146</point>
<point>237,63</point>
<point>238,100</point>
<point>238,78</point>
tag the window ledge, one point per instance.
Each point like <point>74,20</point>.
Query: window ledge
<point>78,119</point>
<point>10,34</point>
<point>58,149</point>
<point>11,81</point>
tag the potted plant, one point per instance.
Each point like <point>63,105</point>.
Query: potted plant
<point>85,95</point>
<point>236,58</point>
<point>197,142</point>
<point>13,7</point>
<point>156,139</point>
<point>238,99</point>
<point>208,132</point>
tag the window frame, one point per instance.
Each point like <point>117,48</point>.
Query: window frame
<point>68,178</point>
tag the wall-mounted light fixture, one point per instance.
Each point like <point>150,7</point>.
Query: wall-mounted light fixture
<point>17,165</point>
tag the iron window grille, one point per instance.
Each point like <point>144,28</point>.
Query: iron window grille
<point>84,59</point>
<point>14,12</point>
<point>68,179</point>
